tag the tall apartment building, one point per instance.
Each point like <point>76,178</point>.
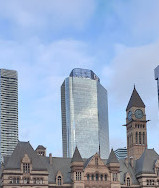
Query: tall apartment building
<point>8,111</point>
<point>84,109</point>
<point>121,153</point>
<point>157,78</point>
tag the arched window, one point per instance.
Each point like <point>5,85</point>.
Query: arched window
<point>59,180</point>
<point>101,177</point>
<point>139,137</point>
<point>87,177</point>
<point>105,177</point>
<point>97,177</point>
<point>143,138</point>
<point>128,182</point>
<point>136,137</point>
<point>92,177</point>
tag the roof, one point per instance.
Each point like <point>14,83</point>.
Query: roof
<point>145,164</point>
<point>135,100</point>
<point>112,158</point>
<point>22,148</point>
<point>40,147</point>
<point>76,156</point>
<point>124,169</point>
<point>58,164</point>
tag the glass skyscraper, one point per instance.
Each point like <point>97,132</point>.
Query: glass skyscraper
<point>84,109</point>
<point>157,78</point>
<point>8,111</point>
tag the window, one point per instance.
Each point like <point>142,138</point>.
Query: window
<point>128,182</point>
<point>157,182</point>
<point>26,168</point>
<point>105,177</point>
<point>78,176</point>
<point>139,137</point>
<point>97,177</point>
<point>92,177</point>
<point>101,177</point>
<point>26,180</point>
<point>143,138</point>
<point>115,177</point>
<point>96,161</point>
<point>87,177</point>
<point>59,180</point>
<point>157,171</point>
<point>150,182</point>
<point>38,180</point>
<point>136,137</point>
<point>14,180</point>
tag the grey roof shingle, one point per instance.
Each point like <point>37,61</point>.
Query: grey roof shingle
<point>58,164</point>
<point>145,164</point>
<point>40,147</point>
<point>22,148</point>
<point>76,156</point>
<point>112,158</point>
<point>127,169</point>
<point>135,100</point>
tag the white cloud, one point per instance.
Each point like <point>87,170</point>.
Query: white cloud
<point>41,71</point>
<point>59,13</point>
<point>133,66</point>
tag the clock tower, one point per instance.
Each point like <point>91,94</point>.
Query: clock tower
<point>136,126</point>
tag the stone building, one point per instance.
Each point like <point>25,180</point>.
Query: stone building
<point>31,168</point>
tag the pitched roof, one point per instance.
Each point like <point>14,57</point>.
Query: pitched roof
<point>135,100</point>
<point>112,158</point>
<point>22,148</point>
<point>145,164</point>
<point>76,156</point>
<point>40,147</point>
<point>127,168</point>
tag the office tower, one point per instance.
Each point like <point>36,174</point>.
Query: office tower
<point>121,153</point>
<point>84,109</point>
<point>8,111</point>
<point>157,78</point>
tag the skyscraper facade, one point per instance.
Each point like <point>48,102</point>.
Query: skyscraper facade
<point>157,78</point>
<point>84,114</point>
<point>8,111</point>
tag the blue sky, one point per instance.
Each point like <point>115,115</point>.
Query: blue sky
<point>44,40</point>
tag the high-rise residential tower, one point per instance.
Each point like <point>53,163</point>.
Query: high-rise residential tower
<point>157,78</point>
<point>84,109</point>
<point>8,111</point>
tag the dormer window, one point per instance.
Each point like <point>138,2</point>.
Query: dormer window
<point>128,182</point>
<point>26,168</point>
<point>59,180</point>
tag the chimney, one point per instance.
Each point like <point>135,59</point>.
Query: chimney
<point>132,161</point>
<point>50,158</point>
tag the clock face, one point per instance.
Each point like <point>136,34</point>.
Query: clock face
<point>138,114</point>
<point>129,115</point>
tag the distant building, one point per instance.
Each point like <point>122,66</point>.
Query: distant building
<point>8,111</point>
<point>157,78</point>
<point>84,109</point>
<point>121,153</point>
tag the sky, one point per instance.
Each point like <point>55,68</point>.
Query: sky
<point>44,40</point>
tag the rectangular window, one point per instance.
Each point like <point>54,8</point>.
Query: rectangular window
<point>26,168</point>
<point>115,177</point>
<point>78,176</point>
